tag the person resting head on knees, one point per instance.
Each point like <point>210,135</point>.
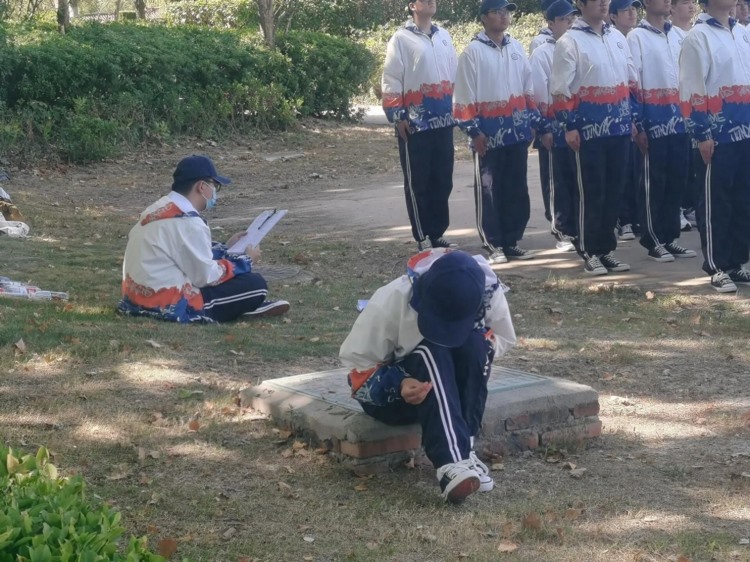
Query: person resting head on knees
<point>422,351</point>
<point>173,271</point>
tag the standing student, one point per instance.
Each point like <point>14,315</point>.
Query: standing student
<point>418,77</point>
<point>561,160</point>
<point>544,33</point>
<point>662,136</point>
<point>682,15</point>
<point>714,81</point>
<point>494,104</point>
<point>592,78</point>
<point>624,16</point>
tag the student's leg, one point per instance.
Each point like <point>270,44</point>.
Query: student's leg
<point>677,178</point>
<point>229,300</point>
<point>739,232</point>
<point>445,433</point>
<point>654,191</point>
<point>484,198</point>
<point>545,179</point>
<point>617,171</point>
<point>565,201</point>
<point>441,183</point>
<point>591,181</point>
<point>512,203</point>
<point>473,364</point>
<point>415,164</point>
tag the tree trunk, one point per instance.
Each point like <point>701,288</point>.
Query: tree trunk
<point>118,5</point>
<point>265,13</point>
<point>140,8</point>
<point>63,15</point>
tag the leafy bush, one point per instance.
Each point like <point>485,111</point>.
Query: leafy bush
<point>213,13</point>
<point>330,70</point>
<point>45,518</point>
<point>84,95</point>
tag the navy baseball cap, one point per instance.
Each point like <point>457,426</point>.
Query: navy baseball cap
<point>196,167</point>
<point>617,5</point>
<point>558,9</point>
<point>488,5</point>
<point>448,297</point>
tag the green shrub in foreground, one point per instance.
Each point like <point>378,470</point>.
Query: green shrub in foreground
<point>45,518</point>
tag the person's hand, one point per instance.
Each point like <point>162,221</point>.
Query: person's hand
<point>413,391</point>
<point>641,141</point>
<point>546,140</point>
<point>253,253</point>
<point>231,242</point>
<point>402,128</point>
<point>573,138</point>
<point>706,149</point>
<point>480,144</point>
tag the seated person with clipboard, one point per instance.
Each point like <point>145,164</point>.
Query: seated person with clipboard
<point>172,270</point>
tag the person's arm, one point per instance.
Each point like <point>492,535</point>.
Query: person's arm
<point>465,102</point>
<point>636,53</point>
<point>498,319</point>
<point>195,257</point>
<point>392,83</point>
<point>695,61</point>
<point>564,100</point>
<point>634,87</point>
<point>533,103</point>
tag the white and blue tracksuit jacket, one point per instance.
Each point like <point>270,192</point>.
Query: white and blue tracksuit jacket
<point>541,70</point>
<point>593,84</point>
<point>418,78</point>
<point>715,81</point>
<point>656,56</point>
<point>494,93</point>
<point>544,35</point>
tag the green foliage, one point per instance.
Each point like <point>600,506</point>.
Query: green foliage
<point>330,70</point>
<point>85,95</point>
<point>45,518</point>
<point>213,13</point>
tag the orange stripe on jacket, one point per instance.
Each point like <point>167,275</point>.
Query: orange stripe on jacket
<point>358,378</point>
<point>602,95</point>
<point>147,297</point>
<point>416,97</point>
<point>661,96</point>
<point>490,109</point>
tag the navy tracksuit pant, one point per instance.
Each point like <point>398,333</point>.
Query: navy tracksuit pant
<point>231,299</point>
<point>428,180</point>
<point>665,177</point>
<point>545,179</point>
<point>564,192</point>
<point>452,412</point>
<point>630,202</point>
<point>723,212</point>
<point>601,168</point>
<point>501,195</point>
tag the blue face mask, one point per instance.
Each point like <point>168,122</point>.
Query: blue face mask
<point>211,203</point>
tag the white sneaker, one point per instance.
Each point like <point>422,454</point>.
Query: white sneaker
<point>626,232</point>
<point>458,480</point>
<point>685,225</point>
<point>269,308</point>
<point>486,483</point>
<point>497,257</point>
<point>565,244</point>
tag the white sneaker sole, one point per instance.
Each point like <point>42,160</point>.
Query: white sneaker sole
<point>663,259</point>
<point>274,309</point>
<point>461,490</point>
<point>596,272</point>
<point>725,289</point>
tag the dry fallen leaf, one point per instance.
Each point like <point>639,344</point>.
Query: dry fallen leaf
<point>607,377</point>
<point>229,533</point>
<point>569,466</point>
<point>361,487</point>
<point>683,559</point>
<point>650,295</point>
<point>573,513</point>
<point>308,538</point>
<point>285,489</point>
<point>531,521</point>
<point>577,473</point>
<point>194,425</point>
<point>155,345</point>
<point>650,518</point>
<point>120,472</point>
<point>507,547</point>
<point>166,547</point>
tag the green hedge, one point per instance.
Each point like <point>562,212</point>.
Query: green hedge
<point>45,518</point>
<point>87,94</point>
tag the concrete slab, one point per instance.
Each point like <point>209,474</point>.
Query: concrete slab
<point>524,411</point>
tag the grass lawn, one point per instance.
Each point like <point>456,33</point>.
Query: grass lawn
<point>147,411</point>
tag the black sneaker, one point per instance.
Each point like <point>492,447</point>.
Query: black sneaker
<point>678,251</point>
<point>458,480</point>
<point>723,283</point>
<point>269,308</point>
<point>593,266</point>
<point>516,253</point>
<point>442,243</point>
<point>424,245</point>
<point>740,276</point>
<point>610,262</point>
<point>660,254</point>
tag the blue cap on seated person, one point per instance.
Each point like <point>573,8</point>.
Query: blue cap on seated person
<point>447,298</point>
<point>617,5</point>
<point>559,9</point>
<point>197,167</point>
<point>488,5</point>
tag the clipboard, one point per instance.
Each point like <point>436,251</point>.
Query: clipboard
<point>262,225</point>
